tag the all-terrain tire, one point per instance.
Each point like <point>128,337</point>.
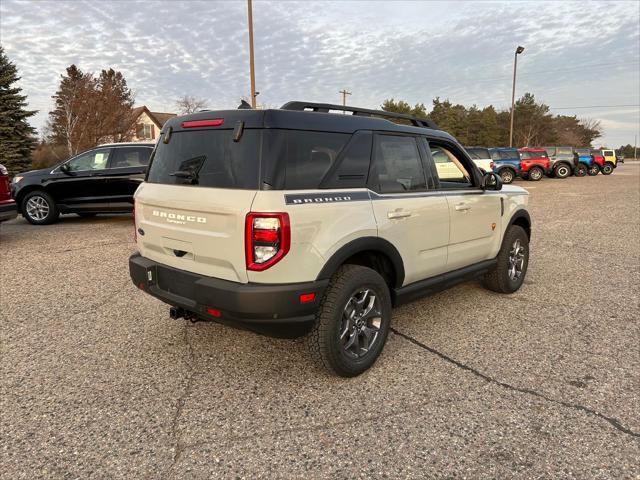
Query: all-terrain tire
<point>593,170</point>
<point>607,169</point>
<point>535,174</point>
<point>324,341</point>
<point>39,208</point>
<point>498,279</point>
<point>507,175</point>
<point>581,170</point>
<point>562,171</point>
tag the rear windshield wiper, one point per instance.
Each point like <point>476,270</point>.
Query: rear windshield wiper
<point>187,175</point>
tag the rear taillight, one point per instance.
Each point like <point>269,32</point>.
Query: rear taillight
<point>267,239</point>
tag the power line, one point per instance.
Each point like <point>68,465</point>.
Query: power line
<point>594,106</point>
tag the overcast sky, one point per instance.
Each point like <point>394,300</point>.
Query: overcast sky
<point>577,54</point>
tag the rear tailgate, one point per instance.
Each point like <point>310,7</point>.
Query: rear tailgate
<point>201,183</point>
<point>200,230</point>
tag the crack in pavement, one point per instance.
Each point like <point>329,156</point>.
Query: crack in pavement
<point>179,446</point>
<point>409,407</point>
<point>613,421</point>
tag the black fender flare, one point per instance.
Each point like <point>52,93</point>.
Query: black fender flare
<point>364,244</point>
<point>518,214</point>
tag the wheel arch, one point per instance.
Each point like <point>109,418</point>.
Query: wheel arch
<point>373,252</point>
<point>27,189</point>
<point>522,219</point>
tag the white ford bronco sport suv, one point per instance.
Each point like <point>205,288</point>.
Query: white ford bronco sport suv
<point>273,220</point>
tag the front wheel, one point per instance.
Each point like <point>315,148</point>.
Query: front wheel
<point>562,171</point>
<point>607,169</point>
<point>535,174</point>
<point>39,208</point>
<point>352,322</point>
<point>511,263</point>
<point>581,170</point>
<point>507,175</point>
<point>593,170</point>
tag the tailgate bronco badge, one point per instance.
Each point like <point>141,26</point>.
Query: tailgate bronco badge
<point>178,218</point>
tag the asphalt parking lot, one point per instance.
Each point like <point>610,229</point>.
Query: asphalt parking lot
<point>98,382</point>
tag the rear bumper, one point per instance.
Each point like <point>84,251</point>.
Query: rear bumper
<point>242,303</point>
<point>8,211</point>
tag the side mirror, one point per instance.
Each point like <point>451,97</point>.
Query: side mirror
<point>64,168</point>
<point>491,181</point>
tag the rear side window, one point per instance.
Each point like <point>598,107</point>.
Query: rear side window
<point>479,153</point>
<point>565,151</point>
<point>397,166</point>
<point>130,157</point>
<point>526,155</point>
<point>508,154</point>
<point>297,159</point>
<point>208,158</point>
<point>352,166</point>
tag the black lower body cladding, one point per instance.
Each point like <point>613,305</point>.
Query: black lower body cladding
<point>242,304</point>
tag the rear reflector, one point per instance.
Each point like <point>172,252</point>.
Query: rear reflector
<point>215,122</point>
<point>214,312</point>
<point>307,297</point>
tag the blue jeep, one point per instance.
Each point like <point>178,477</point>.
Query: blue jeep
<point>506,163</point>
<point>585,163</point>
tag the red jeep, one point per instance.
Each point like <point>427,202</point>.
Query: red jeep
<point>8,208</point>
<point>534,163</point>
<point>598,162</point>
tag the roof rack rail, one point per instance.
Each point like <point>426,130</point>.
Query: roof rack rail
<point>364,112</point>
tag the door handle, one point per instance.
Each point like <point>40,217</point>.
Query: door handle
<point>462,207</point>
<point>398,214</point>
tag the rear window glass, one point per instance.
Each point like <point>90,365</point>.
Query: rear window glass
<point>565,151</point>
<point>296,159</point>
<point>479,153</point>
<point>208,158</point>
<point>583,152</point>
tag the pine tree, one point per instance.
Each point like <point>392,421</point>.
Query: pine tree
<point>16,135</point>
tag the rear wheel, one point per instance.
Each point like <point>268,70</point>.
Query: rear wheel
<point>39,208</point>
<point>507,175</point>
<point>535,174</point>
<point>352,323</point>
<point>512,262</point>
<point>607,169</point>
<point>581,170</point>
<point>593,170</point>
<point>562,171</point>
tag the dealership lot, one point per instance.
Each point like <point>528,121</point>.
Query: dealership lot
<point>97,380</point>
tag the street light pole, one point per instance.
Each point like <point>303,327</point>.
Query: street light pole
<point>519,50</point>
<point>251,69</point>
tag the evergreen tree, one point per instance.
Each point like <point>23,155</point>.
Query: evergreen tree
<point>16,135</point>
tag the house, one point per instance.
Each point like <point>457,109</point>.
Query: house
<point>148,124</point>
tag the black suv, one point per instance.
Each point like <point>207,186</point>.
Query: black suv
<point>100,180</point>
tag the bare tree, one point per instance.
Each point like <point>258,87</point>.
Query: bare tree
<point>188,104</point>
<point>89,111</point>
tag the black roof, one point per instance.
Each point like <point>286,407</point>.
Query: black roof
<point>291,116</point>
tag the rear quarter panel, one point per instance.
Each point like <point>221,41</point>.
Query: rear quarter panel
<point>318,229</point>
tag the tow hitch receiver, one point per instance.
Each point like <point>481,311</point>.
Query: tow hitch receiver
<point>177,313</point>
